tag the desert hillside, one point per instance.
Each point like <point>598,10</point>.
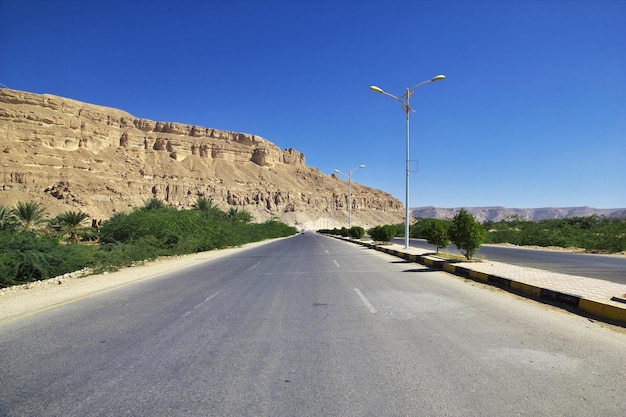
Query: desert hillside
<point>70,155</point>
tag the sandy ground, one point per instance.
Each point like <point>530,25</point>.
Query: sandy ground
<point>24,300</point>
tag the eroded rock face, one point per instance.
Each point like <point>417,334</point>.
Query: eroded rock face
<point>71,155</point>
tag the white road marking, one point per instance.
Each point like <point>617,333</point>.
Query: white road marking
<point>198,305</point>
<point>325,250</point>
<point>254,266</point>
<point>336,263</point>
<point>367,303</point>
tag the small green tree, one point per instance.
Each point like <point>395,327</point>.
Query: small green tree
<point>154,203</point>
<point>28,216</point>
<point>204,204</point>
<point>415,229</point>
<point>7,218</point>
<point>239,215</point>
<point>356,232</point>
<point>435,232</point>
<point>70,224</point>
<point>383,233</point>
<point>466,233</point>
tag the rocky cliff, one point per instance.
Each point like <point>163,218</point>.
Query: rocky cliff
<point>70,155</point>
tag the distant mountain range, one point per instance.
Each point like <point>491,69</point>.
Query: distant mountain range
<point>496,214</point>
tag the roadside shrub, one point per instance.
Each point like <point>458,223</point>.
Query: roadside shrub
<point>593,233</point>
<point>26,257</point>
<point>144,234</point>
<point>466,233</point>
<point>436,232</point>
<point>147,234</point>
<point>383,233</point>
<point>112,256</point>
<point>356,232</point>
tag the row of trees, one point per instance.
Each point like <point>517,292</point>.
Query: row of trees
<point>355,232</point>
<point>31,217</point>
<point>33,247</point>
<point>463,230</point>
<point>592,233</point>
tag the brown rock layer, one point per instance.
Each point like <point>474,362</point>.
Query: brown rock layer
<point>70,155</point>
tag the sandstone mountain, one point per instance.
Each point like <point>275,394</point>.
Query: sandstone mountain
<point>70,155</point>
<point>497,214</point>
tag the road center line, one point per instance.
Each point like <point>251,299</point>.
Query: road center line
<point>207,299</point>
<point>367,303</point>
<point>254,266</point>
<point>336,263</point>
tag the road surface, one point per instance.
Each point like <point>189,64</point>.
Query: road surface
<point>608,267</point>
<point>309,326</point>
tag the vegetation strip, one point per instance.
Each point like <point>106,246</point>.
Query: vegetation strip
<point>33,248</point>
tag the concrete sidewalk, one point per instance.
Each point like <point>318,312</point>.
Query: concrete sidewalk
<point>603,300</point>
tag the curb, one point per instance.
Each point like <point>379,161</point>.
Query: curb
<point>580,305</point>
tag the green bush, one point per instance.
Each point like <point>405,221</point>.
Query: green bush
<point>593,233</point>
<point>383,233</point>
<point>26,257</point>
<point>144,234</point>
<point>435,232</point>
<point>356,232</point>
<point>466,233</point>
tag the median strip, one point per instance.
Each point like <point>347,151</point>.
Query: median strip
<point>607,310</point>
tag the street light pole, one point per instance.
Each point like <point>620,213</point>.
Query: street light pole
<point>407,109</point>
<point>349,175</point>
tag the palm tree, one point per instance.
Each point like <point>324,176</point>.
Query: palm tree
<point>70,223</point>
<point>153,203</point>
<point>239,216</point>
<point>203,204</point>
<point>7,218</point>
<point>29,215</point>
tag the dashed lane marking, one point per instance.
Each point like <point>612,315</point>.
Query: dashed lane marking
<point>365,301</point>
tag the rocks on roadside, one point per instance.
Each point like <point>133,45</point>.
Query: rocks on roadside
<point>46,282</point>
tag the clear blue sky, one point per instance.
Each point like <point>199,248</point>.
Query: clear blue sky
<point>532,112</point>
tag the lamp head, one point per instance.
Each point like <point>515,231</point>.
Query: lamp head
<point>438,78</point>
<point>337,171</point>
<point>376,89</point>
<point>361,166</point>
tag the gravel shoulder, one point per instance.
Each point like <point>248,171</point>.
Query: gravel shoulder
<point>27,299</point>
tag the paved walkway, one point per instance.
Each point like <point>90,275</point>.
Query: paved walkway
<point>597,298</point>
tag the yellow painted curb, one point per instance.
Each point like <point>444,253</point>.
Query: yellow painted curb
<point>602,310</point>
<point>526,289</point>
<point>479,275</point>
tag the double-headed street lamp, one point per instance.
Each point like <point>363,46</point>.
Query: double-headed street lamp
<point>404,101</point>
<point>349,175</point>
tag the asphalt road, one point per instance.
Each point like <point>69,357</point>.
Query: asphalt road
<point>607,267</point>
<point>309,326</point>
